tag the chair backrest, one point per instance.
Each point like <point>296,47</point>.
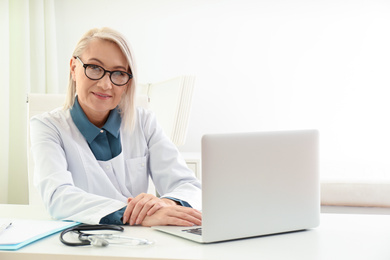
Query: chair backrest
<point>171,101</point>
<point>40,103</point>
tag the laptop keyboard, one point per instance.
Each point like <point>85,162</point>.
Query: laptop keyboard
<point>196,231</point>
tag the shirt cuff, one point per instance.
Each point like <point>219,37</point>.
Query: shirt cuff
<point>182,202</point>
<point>115,218</point>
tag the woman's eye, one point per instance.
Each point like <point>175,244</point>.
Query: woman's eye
<point>95,67</point>
<point>119,74</point>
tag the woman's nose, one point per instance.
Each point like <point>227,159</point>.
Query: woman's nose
<point>105,82</point>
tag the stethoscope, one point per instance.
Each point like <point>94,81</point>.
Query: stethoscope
<point>101,240</point>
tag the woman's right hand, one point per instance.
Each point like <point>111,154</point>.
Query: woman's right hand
<point>174,216</point>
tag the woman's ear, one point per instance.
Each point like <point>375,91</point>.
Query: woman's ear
<point>73,68</point>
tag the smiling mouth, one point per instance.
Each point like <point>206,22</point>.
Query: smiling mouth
<point>101,95</point>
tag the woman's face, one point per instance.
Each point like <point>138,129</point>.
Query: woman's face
<point>98,97</point>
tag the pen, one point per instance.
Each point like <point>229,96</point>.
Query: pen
<point>4,226</point>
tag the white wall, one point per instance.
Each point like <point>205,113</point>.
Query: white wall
<point>263,65</point>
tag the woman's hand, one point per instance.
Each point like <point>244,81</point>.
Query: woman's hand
<point>142,206</point>
<point>174,216</point>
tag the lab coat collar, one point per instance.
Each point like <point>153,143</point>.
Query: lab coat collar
<point>89,130</point>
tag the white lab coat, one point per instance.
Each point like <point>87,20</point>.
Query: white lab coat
<point>75,186</point>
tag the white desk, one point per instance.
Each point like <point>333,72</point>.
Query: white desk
<point>340,236</point>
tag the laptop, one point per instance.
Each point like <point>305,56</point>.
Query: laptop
<point>256,184</point>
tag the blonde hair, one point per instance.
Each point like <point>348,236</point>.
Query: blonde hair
<point>126,105</point>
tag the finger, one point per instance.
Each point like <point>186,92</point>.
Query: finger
<point>190,218</point>
<point>163,220</point>
<point>194,216</point>
<point>173,221</point>
<point>174,215</point>
<point>184,219</point>
<point>144,210</point>
<point>149,209</point>
<point>190,211</point>
<point>155,208</point>
<point>131,203</point>
<point>188,215</point>
<point>135,211</point>
<point>126,214</point>
<point>141,206</point>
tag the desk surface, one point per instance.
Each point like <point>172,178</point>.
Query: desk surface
<point>340,236</point>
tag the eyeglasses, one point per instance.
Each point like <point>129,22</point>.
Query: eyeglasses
<point>95,72</point>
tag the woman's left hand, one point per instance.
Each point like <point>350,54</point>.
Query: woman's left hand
<point>143,205</point>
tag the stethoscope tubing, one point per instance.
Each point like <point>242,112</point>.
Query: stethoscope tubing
<point>83,237</point>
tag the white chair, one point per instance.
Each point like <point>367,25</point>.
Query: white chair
<point>168,116</point>
<point>38,104</point>
<point>171,101</point>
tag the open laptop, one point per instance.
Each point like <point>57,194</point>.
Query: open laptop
<point>256,184</point>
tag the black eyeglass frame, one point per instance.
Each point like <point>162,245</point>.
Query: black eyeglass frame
<point>105,71</point>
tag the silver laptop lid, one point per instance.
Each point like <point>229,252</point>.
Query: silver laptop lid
<point>259,183</point>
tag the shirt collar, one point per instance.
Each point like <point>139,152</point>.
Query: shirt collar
<point>89,130</point>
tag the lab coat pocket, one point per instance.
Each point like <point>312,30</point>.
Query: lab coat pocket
<point>138,175</point>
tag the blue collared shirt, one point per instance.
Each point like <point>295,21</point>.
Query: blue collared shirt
<point>104,142</point>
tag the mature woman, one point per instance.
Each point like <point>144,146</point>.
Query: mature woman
<point>93,158</point>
